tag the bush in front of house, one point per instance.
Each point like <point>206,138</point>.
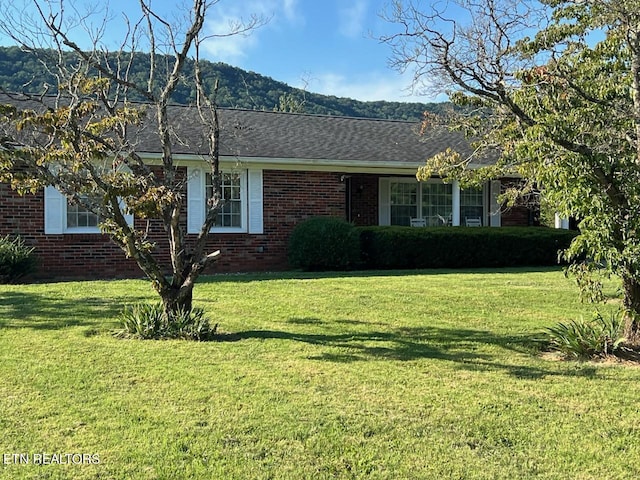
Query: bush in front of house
<point>461,247</point>
<point>324,243</point>
<point>16,259</point>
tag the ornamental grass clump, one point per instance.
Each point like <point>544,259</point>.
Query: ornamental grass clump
<point>146,321</point>
<point>16,259</point>
<point>580,339</point>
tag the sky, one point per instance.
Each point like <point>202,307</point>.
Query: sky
<point>324,46</point>
<point>327,46</point>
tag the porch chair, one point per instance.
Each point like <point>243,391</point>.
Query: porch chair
<point>418,222</point>
<point>472,221</point>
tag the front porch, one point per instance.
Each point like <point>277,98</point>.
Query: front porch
<point>401,200</point>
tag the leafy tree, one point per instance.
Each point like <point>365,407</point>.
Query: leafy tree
<point>554,91</point>
<point>83,139</point>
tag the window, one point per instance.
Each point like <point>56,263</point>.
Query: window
<point>404,202</point>
<point>242,191</point>
<point>231,186</point>
<point>62,217</point>
<point>471,204</point>
<point>438,203</point>
<point>79,217</point>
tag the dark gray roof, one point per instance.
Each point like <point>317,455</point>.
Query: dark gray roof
<point>248,133</point>
<point>277,135</point>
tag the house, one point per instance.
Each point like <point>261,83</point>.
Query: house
<point>279,168</point>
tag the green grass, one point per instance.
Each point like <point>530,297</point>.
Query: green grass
<point>390,375</point>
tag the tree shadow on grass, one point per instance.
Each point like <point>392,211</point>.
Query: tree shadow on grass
<point>466,348</point>
<point>43,312</point>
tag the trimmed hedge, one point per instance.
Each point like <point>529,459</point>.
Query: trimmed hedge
<point>324,243</point>
<point>461,247</point>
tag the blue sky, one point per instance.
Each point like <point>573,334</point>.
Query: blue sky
<point>325,46</point>
<point>330,46</point>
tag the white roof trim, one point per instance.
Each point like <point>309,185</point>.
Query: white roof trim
<point>310,164</point>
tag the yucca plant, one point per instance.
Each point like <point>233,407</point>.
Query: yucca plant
<point>150,321</point>
<point>16,259</point>
<point>588,339</point>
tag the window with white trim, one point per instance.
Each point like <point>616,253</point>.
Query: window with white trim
<point>63,217</point>
<point>402,199</point>
<point>80,217</point>
<point>242,191</point>
<point>471,204</point>
<point>404,202</point>
<point>437,204</point>
<point>231,214</point>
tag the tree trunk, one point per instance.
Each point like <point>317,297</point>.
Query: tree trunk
<point>176,299</point>
<point>631,304</point>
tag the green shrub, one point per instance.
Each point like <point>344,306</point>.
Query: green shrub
<point>324,243</point>
<point>461,247</point>
<point>16,259</point>
<point>149,321</point>
<point>581,339</point>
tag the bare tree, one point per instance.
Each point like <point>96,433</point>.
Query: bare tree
<point>82,134</point>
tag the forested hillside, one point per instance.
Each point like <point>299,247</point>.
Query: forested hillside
<point>237,88</point>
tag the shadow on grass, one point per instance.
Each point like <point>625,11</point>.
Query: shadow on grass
<point>466,348</point>
<point>40,312</point>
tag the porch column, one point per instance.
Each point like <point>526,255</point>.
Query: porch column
<point>455,204</point>
<point>562,222</point>
<point>495,216</point>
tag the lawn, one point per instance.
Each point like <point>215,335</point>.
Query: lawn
<point>384,375</point>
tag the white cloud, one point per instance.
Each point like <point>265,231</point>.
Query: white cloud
<point>373,86</point>
<point>290,10</point>
<point>352,19</point>
<point>227,16</point>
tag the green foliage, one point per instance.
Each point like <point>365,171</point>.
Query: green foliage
<point>147,321</point>
<point>16,259</point>
<point>324,243</point>
<point>237,88</point>
<point>462,247</point>
<point>560,107</point>
<point>588,339</point>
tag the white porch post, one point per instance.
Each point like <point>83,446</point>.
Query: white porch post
<point>562,222</point>
<point>455,204</point>
<point>495,215</point>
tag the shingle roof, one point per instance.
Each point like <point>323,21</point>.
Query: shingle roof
<point>277,135</point>
<point>248,133</point>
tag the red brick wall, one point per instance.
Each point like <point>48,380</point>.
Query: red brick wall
<point>364,199</point>
<point>289,197</point>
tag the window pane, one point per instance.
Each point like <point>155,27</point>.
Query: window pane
<point>231,213</point>
<point>471,204</point>
<point>404,202</point>
<point>80,217</point>
<point>437,203</point>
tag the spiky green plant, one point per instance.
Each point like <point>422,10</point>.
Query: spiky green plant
<point>598,337</point>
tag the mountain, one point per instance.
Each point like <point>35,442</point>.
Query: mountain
<point>237,89</point>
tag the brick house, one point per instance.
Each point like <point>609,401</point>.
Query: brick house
<point>279,169</point>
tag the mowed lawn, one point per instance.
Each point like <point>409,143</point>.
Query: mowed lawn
<point>383,375</point>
